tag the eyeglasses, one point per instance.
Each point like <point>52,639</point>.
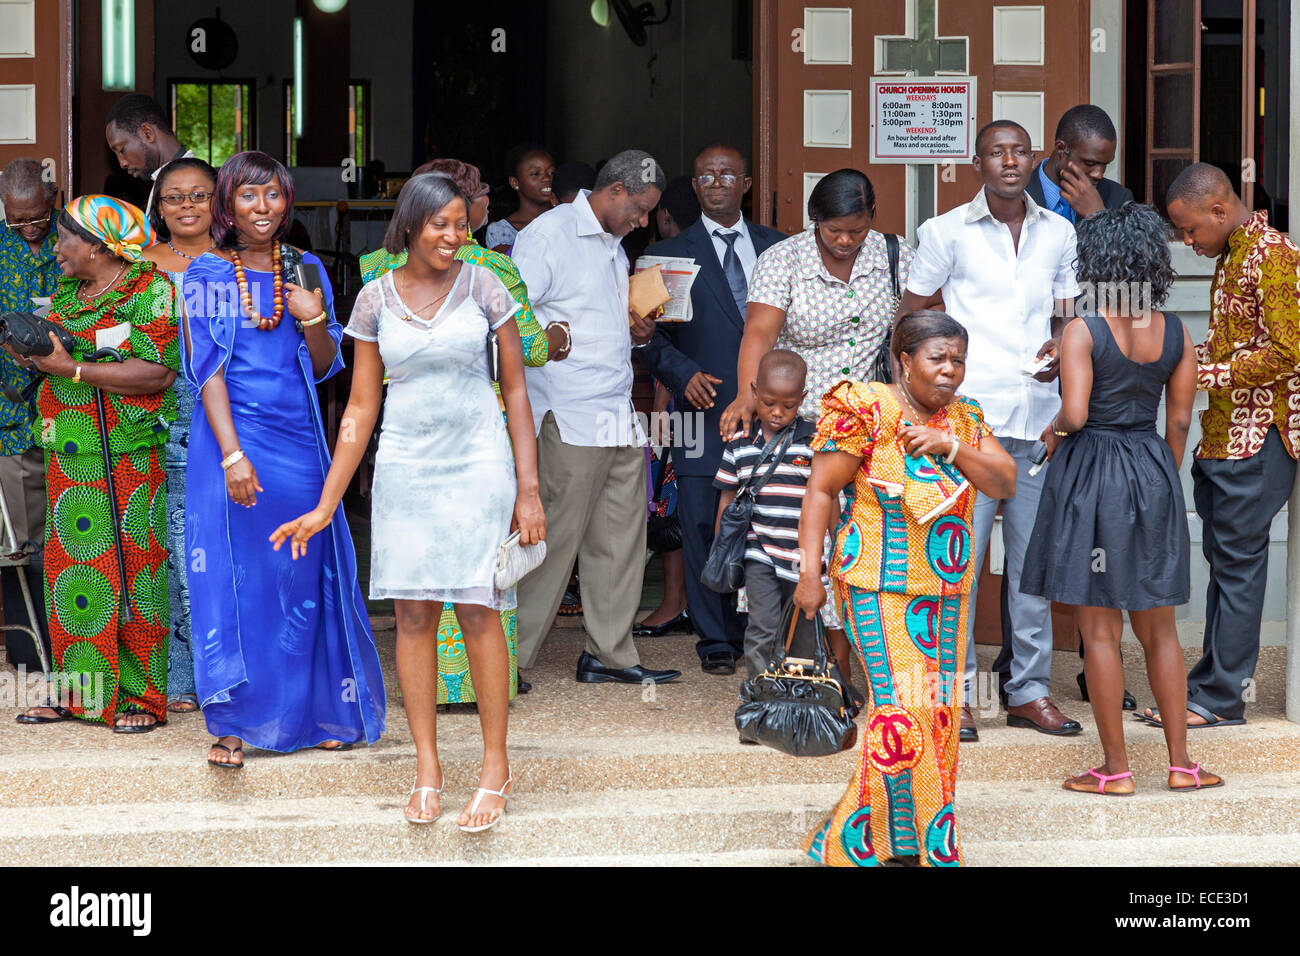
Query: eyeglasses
<point>24,223</point>
<point>708,179</point>
<point>198,197</point>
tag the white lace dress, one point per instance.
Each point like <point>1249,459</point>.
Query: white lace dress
<point>444,486</point>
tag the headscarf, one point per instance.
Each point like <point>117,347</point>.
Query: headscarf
<point>123,228</point>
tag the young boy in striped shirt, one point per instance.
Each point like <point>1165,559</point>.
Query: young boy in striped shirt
<point>771,553</point>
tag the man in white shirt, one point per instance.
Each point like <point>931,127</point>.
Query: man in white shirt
<point>590,456</point>
<point>1004,269</point>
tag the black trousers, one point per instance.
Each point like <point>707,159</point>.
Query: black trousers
<point>718,628</point>
<point>1237,501</point>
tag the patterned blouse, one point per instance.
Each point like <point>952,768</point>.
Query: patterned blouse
<point>906,524</point>
<point>836,327</point>
<point>22,276</point>
<point>138,318</point>
<point>1249,361</point>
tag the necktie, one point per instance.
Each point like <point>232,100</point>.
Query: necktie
<point>732,270</point>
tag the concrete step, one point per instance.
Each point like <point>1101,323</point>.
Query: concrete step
<point>672,824</point>
<point>1278,849</point>
<point>121,770</point>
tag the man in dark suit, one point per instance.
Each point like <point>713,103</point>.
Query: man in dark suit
<point>1072,182</point>
<point>697,361</point>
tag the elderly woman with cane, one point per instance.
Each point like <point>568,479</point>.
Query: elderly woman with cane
<point>103,426</point>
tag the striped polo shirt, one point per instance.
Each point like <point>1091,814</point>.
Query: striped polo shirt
<point>774,530</point>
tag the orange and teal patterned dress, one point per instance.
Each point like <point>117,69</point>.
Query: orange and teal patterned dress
<point>454,683</point>
<point>902,574</point>
<point>113,664</point>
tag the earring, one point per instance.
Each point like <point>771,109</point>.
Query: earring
<point>907,377</point>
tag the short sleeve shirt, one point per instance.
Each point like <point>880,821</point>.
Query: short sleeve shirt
<point>836,327</point>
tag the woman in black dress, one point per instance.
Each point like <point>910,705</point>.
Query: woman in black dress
<point>1111,534</point>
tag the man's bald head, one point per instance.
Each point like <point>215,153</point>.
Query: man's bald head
<point>1198,185</point>
<point>1202,205</point>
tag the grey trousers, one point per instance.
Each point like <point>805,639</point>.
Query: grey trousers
<point>595,503</point>
<point>768,595</point>
<point>1031,617</point>
<point>22,481</point>
<point>1237,501</point>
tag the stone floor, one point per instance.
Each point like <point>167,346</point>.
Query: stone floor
<point>610,774</point>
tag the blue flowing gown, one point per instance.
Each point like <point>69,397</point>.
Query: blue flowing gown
<point>283,653</point>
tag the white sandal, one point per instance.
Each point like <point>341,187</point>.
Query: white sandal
<point>479,794</point>
<point>424,796</point>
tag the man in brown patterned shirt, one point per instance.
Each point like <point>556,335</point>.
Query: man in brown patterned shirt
<point>1245,463</point>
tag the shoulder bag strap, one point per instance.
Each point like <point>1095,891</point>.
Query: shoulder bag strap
<point>753,487</point>
<point>891,245</point>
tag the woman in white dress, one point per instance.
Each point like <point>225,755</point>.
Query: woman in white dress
<point>450,483</point>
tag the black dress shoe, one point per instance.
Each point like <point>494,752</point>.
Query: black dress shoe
<point>719,663</point>
<point>969,733</point>
<point>749,743</point>
<point>592,671</point>
<point>1130,702</point>
<point>680,624</point>
<point>523,687</point>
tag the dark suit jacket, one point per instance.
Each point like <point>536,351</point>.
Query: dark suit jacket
<point>710,342</point>
<point>1112,193</point>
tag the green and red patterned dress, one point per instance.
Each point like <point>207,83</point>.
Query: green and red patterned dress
<point>112,665</point>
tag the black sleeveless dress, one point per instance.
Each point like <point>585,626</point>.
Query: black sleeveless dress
<point>1112,523</point>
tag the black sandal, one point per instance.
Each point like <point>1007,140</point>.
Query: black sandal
<point>134,711</point>
<point>229,764</point>
<point>63,714</point>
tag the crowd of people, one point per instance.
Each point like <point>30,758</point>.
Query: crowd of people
<point>881,403</point>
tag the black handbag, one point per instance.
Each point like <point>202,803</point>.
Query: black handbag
<point>663,532</point>
<point>724,571</point>
<point>28,335</point>
<point>880,367</point>
<point>798,706</point>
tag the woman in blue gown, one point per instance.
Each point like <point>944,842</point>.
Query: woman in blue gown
<point>283,653</point>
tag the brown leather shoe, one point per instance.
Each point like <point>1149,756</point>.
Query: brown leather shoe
<point>969,733</point>
<point>1042,716</point>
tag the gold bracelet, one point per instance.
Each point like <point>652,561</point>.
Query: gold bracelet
<point>1060,434</point>
<point>76,378</point>
<point>316,321</point>
<point>230,459</point>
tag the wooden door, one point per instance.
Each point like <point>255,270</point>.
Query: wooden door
<point>813,75</point>
<point>814,63</point>
<point>36,84</point>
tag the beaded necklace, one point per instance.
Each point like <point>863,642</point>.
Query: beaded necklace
<point>246,299</point>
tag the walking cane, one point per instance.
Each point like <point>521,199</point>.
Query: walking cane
<point>115,356</point>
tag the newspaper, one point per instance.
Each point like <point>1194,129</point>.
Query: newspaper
<point>678,275</point>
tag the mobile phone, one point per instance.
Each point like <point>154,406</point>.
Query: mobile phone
<point>493,357</point>
<point>307,275</point>
<point>1037,458</point>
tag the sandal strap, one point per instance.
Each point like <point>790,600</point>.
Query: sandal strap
<point>1194,772</point>
<point>1103,778</point>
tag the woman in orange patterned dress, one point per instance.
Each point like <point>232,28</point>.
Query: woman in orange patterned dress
<point>909,458</point>
<point>112,666</point>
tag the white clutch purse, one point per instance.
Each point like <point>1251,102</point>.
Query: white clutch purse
<point>514,560</point>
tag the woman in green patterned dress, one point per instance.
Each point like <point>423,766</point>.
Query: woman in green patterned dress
<point>108,669</point>
<point>540,345</point>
